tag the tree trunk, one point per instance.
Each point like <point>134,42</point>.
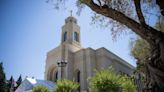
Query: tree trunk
<point>155,68</point>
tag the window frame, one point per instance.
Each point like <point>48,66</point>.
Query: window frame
<point>64,36</point>
<point>76,36</point>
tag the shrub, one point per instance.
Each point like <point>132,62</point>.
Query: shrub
<point>40,88</point>
<point>66,86</point>
<point>110,81</point>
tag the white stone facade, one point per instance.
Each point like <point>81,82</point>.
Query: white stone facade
<point>81,62</point>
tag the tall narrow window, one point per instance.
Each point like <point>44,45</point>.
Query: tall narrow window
<point>76,36</point>
<point>56,76</point>
<point>65,36</point>
<point>78,78</point>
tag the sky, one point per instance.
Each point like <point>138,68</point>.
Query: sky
<point>31,28</point>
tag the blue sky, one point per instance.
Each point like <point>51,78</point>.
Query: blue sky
<point>31,28</point>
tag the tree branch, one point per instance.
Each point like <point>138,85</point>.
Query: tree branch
<point>161,6</point>
<point>146,32</point>
<point>139,12</point>
<point>99,2</point>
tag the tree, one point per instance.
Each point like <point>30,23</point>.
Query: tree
<point>141,51</point>
<point>11,84</point>
<point>110,81</point>
<point>40,88</point>
<point>66,86</point>
<point>118,10</point>
<point>19,81</point>
<point>3,85</point>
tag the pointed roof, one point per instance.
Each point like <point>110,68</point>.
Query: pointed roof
<point>71,19</point>
<point>29,83</point>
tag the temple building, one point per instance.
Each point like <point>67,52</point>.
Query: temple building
<point>71,61</point>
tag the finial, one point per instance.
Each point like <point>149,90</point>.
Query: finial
<point>71,12</point>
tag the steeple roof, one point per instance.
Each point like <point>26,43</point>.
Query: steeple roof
<point>71,19</point>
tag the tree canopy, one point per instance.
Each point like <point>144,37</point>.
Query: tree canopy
<point>3,85</point>
<point>19,81</point>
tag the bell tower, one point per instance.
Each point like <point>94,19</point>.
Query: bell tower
<point>71,32</point>
<point>70,43</point>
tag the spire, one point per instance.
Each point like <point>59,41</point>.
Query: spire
<point>71,12</point>
<point>19,81</point>
<point>71,19</point>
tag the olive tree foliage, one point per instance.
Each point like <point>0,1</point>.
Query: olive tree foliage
<point>66,86</point>
<point>40,88</point>
<point>127,7</point>
<point>140,48</point>
<point>110,81</point>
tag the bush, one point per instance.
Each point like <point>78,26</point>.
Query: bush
<point>40,88</point>
<point>66,86</point>
<point>110,81</point>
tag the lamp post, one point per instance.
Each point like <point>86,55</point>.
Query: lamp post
<point>61,64</point>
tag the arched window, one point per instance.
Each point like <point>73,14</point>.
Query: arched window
<point>56,76</point>
<point>77,77</point>
<point>76,36</point>
<point>52,73</point>
<point>65,36</point>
